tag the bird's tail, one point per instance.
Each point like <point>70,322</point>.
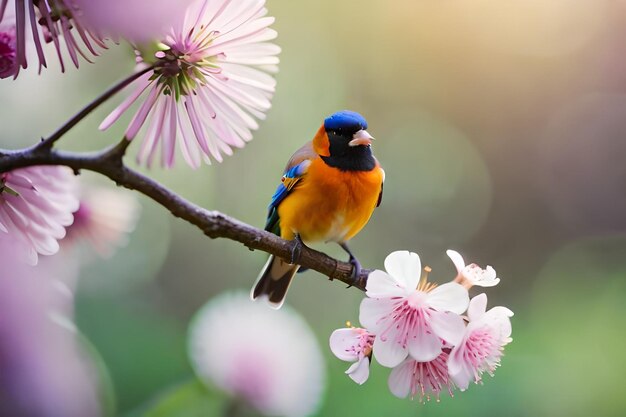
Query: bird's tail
<point>274,280</point>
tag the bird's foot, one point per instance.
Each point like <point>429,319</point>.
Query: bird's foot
<point>356,265</point>
<point>356,268</point>
<point>296,251</point>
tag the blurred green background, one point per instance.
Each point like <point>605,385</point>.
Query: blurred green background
<point>501,126</point>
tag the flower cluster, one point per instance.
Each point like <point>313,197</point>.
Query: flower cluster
<point>417,328</point>
<point>55,22</point>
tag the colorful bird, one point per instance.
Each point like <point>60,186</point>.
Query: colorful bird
<point>328,192</point>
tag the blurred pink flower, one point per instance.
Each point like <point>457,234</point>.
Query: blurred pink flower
<point>118,18</point>
<point>36,203</point>
<point>45,370</point>
<point>268,358</point>
<point>472,274</point>
<point>353,344</point>
<point>104,219</point>
<point>481,348</point>
<point>8,55</point>
<point>53,21</point>
<point>409,315</point>
<point>208,85</point>
<point>423,379</point>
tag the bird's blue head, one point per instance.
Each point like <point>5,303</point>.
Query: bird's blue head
<point>344,142</point>
<point>345,122</point>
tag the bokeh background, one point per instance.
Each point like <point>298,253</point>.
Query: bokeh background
<point>501,126</point>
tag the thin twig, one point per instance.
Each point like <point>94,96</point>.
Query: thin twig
<point>49,141</point>
<point>213,223</point>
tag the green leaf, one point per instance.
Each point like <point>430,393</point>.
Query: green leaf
<point>189,399</point>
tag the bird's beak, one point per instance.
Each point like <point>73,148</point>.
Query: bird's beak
<point>361,138</point>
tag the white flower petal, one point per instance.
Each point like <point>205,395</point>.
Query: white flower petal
<point>477,307</point>
<point>373,311</point>
<point>449,297</point>
<point>448,326</point>
<point>481,277</point>
<point>461,374</point>
<point>405,267</point>
<point>342,342</point>
<point>400,379</point>
<point>499,319</point>
<point>389,353</point>
<point>360,371</point>
<point>457,260</point>
<point>382,285</point>
<point>424,346</point>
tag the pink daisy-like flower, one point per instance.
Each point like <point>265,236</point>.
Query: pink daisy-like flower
<point>36,203</point>
<point>208,85</point>
<point>45,369</point>
<point>472,274</point>
<point>482,345</point>
<point>104,219</point>
<point>409,315</point>
<point>8,50</point>
<point>353,344</point>
<point>267,358</point>
<point>118,18</point>
<point>421,379</point>
<point>49,21</point>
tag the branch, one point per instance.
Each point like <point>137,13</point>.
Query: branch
<point>49,141</point>
<point>213,223</point>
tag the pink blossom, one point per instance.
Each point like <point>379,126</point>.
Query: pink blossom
<point>209,83</point>
<point>51,21</point>
<point>118,18</point>
<point>353,344</point>
<point>36,203</point>
<point>421,379</point>
<point>409,315</point>
<point>45,370</point>
<point>472,274</point>
<point>269,358</point>
<point>482,344</point>
<point>8,55</point>
<point>104,219</point>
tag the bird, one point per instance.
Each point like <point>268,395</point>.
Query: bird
<point>328,192</point>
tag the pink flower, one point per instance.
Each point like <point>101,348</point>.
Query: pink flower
<point>104,219</point>
<point>413,378</point>
<point>45,368</point>
<point>353,345</point>
<point>482,344</point>
<point>409,315</point>
<point>472,274</point>
<point>54,21</point>
<point>8,47</point>
<point>208,85</point>
<point>118,18</point>
<point>36,204</point>
<point>269,358</point>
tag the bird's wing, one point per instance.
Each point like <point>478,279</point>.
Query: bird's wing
<point>295,170</point>
<point>380,195</point>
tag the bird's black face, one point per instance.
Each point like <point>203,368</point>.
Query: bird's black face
<point>350,150</point>
<point>348,142</point>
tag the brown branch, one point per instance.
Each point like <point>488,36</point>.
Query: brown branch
<point>213,223</point>
<point>67,126</point>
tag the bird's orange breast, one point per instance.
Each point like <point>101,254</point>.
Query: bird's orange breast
<point>329,204</point>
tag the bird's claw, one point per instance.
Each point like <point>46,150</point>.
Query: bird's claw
<point>356,268</point>
<point>296,251</point>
